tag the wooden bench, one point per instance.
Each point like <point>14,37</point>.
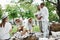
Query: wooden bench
<point>55,27</point>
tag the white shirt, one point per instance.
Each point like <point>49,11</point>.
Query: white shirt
<point>27,25</point>
<point>4,31</point>
<point>19,35</point>
<point>30,26</point>
<point>44,13</point>
<point>38,15</point>
<point>25,21</point>
<point>19,24</point>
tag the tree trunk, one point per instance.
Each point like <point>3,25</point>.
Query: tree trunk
<point>59,19</point>
<point>52,2</point>
<point>58,8</point>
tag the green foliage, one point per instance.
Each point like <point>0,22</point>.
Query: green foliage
<point>13,14</point>
<point>21,0</point>
<point>13,11</point>
<point>29,9</point>
<point>29,14</point>
<point>1,11</point>
<point>30,1</point>
<point>26,5</point>
<point>8,8</point>
<point>36,29</point>
<point>27,1</point>
<point>53,17</point>
<point>51,8</point>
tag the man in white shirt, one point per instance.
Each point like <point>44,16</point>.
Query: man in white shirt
<point>44,14</point>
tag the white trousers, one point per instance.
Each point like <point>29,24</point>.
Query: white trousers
<point>44,27</point>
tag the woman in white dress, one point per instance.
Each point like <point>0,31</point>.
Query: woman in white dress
<point>5,28</point>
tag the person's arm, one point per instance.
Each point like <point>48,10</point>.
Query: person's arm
<point>39,18</point>
<point>23,32</point>
<point>10,28</point>
<point>40,15</point>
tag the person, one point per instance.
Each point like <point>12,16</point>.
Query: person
<point>25,22</point>
<point>5,28</point>
<point>20,34</point>
<point>18,23</point>
<point>38,18</point>
<point>44,14</point>
<point>30,24</point>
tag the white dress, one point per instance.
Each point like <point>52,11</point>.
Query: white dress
<point>4,31</point>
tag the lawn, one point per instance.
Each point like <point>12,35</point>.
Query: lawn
<point>36,29</point>
<point>14,30</point>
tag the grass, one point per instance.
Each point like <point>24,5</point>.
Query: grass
<point>36,29</point>
<point>14,30</point>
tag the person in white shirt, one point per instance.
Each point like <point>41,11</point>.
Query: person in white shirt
<point>5,28</point>
<point>30,24</point>
<point>20,34</point>
<point>25,22</point>
<point>38,18</point>
<point>18,23</point>
<point>44,14</point>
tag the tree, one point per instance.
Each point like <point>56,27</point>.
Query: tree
<point>1,11</point>
<point>13,11</point>
<point>57,7</point>
<point>21,0</point>
<point>29,14</point>
<point>28,8</point>
<point>51,8</point>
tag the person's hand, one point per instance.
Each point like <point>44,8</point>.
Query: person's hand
<point>39,18</point>
<point>23,32</point>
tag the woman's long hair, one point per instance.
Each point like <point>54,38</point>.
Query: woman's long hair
<point>3,22</point>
